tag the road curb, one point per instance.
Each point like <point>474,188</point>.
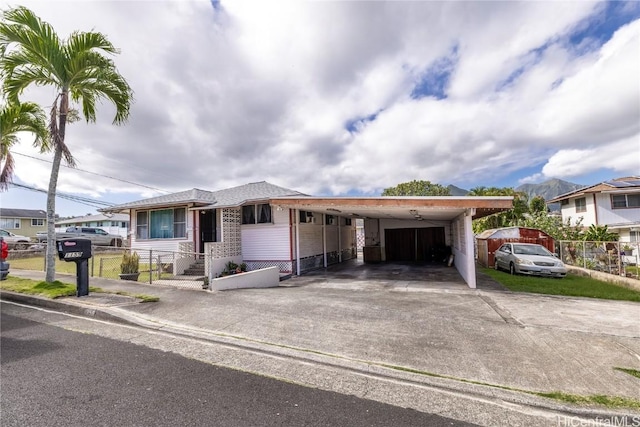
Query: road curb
<point>379,370</point>
<point>65,307</point>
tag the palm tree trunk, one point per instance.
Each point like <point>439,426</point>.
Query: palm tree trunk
<point>52,252</point>
<point>58,140</point>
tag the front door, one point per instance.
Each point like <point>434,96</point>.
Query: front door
<point>207,227</point>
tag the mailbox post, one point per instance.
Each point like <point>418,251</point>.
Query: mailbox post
<point>78,251</point>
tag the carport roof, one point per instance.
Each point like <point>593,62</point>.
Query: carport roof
<point>427,208</point>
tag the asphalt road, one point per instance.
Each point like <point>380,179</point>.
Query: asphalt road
<point>52,376</point>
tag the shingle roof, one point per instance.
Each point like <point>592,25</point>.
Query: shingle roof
<point>235,196</point>
<point>22,213</point>
<point>254,191</point>
<point>195,195</point>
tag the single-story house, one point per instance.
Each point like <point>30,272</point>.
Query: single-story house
<point>26,222</point>
<point>265,225</point>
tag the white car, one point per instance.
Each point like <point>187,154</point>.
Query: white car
<point>528,258</point>
<point>15,241</point>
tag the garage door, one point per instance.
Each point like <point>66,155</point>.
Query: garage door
<point>414,244</point>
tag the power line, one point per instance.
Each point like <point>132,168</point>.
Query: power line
<point>94,173</point>
<point>78,199</point>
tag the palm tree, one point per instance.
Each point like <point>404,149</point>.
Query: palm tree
<point>33,54</point>
<point>16,118</point>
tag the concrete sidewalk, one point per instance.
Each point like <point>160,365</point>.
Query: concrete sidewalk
<point>447,337</point>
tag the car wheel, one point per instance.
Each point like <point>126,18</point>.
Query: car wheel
<point>22,246</point>
<point>119,243</point>
<point>496,266</point>
<point>512,269</point>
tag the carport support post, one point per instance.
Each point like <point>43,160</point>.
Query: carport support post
<point>297,223</point>
<point>324,239</point>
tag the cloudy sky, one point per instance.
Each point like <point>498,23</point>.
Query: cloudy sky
<point>335,98</point>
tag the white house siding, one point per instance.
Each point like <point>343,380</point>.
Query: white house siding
<point>310,240</point>
<point>266,242</point>
<point>588,217</point>
<point>463,250</point>
<point>607,215</point>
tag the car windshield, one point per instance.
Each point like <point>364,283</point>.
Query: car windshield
<point>531,250</point>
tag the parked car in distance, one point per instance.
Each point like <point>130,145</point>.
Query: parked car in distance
<point>528,258</point>
<point>15,241</point>
<point>98,236</point>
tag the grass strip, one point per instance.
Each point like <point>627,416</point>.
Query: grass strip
<point>632,372</point>
<point>596,399</point>
<point>571,285</point>
<point>59,289</point>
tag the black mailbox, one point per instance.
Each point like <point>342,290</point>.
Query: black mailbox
<point>78,251</point>
<point>74,249</point>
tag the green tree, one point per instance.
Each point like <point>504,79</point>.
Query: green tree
<point>599,233</point>
<point>510,218</point>
<point>417,188</point>
<point>14,119</point>
<point>538,204</point>
<point>77,67</point>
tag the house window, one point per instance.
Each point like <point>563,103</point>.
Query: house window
<point>161,224</point>
<point>347,221</point>
<point>306,216</point>
<point>249,214</point>
<point>581,204</point>
<point>621,201</point>
<point>37,222</point>
<point>10,223</point>
<point>142,225</point>
<point>634,236</point>
<point>329,219</point>
<point>256,214</point>
<point>100,224</point>
<point>564,202</point>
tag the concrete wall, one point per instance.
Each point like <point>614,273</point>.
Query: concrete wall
<point>463,251</point>
<point>626,282</point>
<point>263,278</point>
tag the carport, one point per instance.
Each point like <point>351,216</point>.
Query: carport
<point>408,228</point>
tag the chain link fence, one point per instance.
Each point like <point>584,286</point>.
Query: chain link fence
<point>179,269</point>
<point>619,258</point>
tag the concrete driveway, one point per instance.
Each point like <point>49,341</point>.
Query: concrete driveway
<point>437,326</point>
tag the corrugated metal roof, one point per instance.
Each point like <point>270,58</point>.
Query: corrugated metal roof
<point>22,213</point>
<point>90,218</point>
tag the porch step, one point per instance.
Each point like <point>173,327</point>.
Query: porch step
<point>195,269</point>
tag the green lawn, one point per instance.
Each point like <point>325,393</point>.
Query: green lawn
<point>100,265</point>
<point>58,289</point>
<point>571,285</point>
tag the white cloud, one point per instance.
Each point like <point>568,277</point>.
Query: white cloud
<point>264,90</point>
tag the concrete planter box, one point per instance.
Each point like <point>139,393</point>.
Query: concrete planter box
<point>263,278</point>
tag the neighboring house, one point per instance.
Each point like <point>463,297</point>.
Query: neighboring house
<point>265,225</point>
<point>112,223</point>
<point>614,203</point>
<point>26,222</point>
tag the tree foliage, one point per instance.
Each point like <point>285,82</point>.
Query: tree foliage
<point>417,188</point>
<point>80,71</point>
<point>14,119</point>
